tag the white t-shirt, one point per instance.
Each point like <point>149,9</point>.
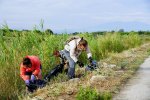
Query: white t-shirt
<point>74,52</point>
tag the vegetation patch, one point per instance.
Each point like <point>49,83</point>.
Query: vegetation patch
<point>91,94</point>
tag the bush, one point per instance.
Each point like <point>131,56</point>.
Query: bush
<point>91,94</point>
<point>87,94</point>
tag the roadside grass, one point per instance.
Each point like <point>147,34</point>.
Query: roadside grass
<point>124,65</point>
<point>91,94</point>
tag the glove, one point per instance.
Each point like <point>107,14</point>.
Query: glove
<point>90,60</point>
<point>33,78</point>
<point>27,82</point>
<point>80,64</point>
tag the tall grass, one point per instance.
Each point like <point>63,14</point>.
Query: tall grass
<point>14,47</point>
<point>102,45</point>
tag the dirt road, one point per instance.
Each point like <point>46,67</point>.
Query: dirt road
<point>138,87</point>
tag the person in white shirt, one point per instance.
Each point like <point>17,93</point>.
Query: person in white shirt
<point>72,50</point>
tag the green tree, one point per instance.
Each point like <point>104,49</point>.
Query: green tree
<point>49,31</point>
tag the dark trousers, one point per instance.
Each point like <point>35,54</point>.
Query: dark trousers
<point>71,70</point>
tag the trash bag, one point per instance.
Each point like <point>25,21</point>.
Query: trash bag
<point>92,66</point>
<point>54,72</point>
<point>35,85</point>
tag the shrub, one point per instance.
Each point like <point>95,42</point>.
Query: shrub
<point>87,94</point>
<point>91,94</point>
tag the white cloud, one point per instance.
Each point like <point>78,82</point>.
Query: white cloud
<point>125,17</point>
<point>72,14</point>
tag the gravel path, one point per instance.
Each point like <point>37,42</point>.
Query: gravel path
<point>138,88</point>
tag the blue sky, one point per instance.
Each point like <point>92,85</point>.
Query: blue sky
<point>76,15</point>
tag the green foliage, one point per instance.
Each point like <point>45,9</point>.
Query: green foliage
<point>111,43</point>
<point>49,31</point>
<point>87,94</point>
<point>91,94</point>
<point>121,30</point>
<point>42,25</point>
<point>131,40</point>
<point>106,96</point>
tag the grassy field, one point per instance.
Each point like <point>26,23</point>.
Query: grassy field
<point>15,45</point>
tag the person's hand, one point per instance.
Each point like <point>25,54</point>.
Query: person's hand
<point>56,53</point>
<point>33,78</point>
<point>80,64</point>
<point>27,82</point>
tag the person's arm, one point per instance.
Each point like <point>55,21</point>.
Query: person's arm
<point>37,69</point>
<point>22,74</point>
<point>36,72</point>
<point>89,54</point>
<point>73,47</point>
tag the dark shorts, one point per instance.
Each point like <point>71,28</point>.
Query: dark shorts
<point>28,73</point>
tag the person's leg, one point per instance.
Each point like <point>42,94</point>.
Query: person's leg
<point>27,76</point>
<point>71,70</point>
